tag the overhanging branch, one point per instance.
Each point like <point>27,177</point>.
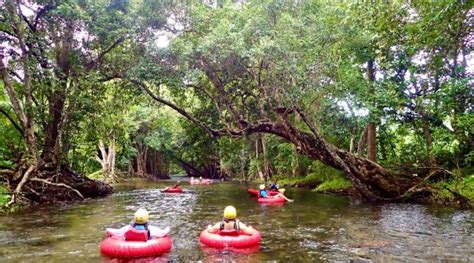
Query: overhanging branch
<point>12,121</point>
<point>143,86</point>
<point>91,65</point>
<point>264,126</point>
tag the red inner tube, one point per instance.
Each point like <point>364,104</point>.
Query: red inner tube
<point>271,200</point>
<point>240,240</point>
<point>118,247</point>
<point>256,192</point>
<point>174,190</point>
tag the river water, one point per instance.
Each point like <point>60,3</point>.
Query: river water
<point>315,228</point>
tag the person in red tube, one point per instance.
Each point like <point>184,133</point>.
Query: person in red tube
<point>176,185</point>
<point>139,229</point>
<point>140,224</point>
<point>230,223</point>
<point>264,194</point>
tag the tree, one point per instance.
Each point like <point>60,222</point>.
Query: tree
<point>260,64</point>
<point>52,49</point>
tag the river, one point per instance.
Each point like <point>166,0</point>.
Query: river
<point>315,228</point>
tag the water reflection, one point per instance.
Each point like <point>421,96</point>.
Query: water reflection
<point>315,228</point>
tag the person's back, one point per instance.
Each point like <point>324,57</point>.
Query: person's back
<point>140,221</point>
<point>263,192</point>
<point>230,224</point>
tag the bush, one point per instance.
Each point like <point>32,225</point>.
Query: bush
<point>335,184</point>
<point>4,196</point>
<point>464,186</point>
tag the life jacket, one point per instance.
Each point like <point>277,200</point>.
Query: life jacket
<point>133,234</point>
<point>273,186</point>
<point>260,193</point>
<point>230,232</point>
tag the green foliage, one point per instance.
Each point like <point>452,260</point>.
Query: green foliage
<point>97,175</point>
<point>335,184</point>
<point>317,174</point>
<point>311,179</point>
<point>466,187</point>
<point>4,196</point>
<point>10,141</point>
<point>461,185</point>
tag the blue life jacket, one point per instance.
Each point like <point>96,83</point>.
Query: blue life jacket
<point>263,193</point>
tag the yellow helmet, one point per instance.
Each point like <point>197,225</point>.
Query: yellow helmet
<point>230,212</point>
<point>141,216</point>
<point>262,186</point>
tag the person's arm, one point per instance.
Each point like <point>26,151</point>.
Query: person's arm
<point>246,229</point>
<point>117,232</point>
<point>214,229</point>
<point>158,232</point>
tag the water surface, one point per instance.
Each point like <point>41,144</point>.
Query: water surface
<point>315,228</point>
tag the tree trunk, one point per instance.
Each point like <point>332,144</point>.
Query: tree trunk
<point>142,151</point>
<point>56,100</point>
<point>156,164</point>
<point>371,127</point>
<point>352,142</point>
<point>428,139</point>
<point>258,172</point>
<point>373,181</point>
<point>371,142</point>
<point>51,142</point>
<point>107,159</point>
<point>362,142</point>
<point>266,163</point>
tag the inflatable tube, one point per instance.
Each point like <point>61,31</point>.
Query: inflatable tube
<point>173,190</point>
<point>271,200</point>
<point>239,250</point>
<point>222,240</point>
<point>255,192</point>
<point>116,246</point>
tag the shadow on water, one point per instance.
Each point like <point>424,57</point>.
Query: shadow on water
<point>315,228</point>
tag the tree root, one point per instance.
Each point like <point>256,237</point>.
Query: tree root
<point>7,171</point>
<point>18,188</point>
<point>59,185</point>
<point>36,186</point>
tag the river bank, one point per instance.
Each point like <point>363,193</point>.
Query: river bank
<point>458,191</point>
